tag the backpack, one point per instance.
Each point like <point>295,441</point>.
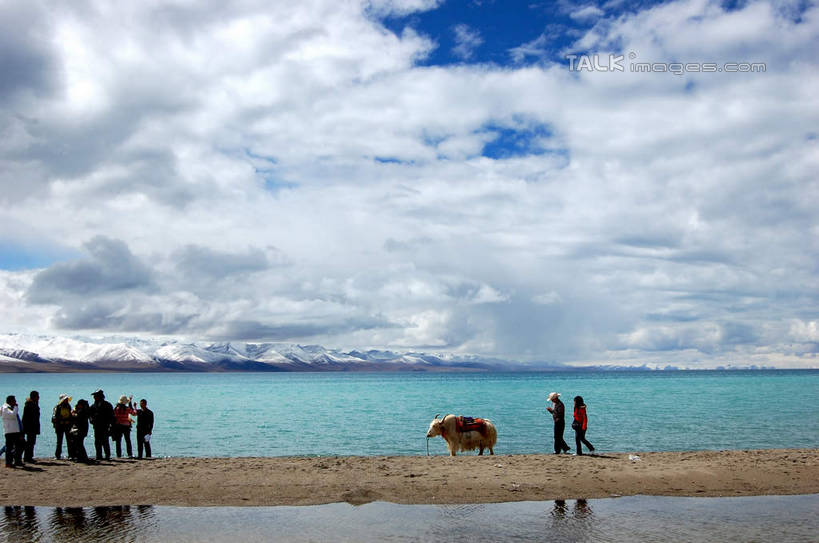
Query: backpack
<point>61,415</point>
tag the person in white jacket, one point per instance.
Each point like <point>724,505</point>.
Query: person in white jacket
<point>13,429</point>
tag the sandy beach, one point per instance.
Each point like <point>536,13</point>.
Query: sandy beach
<point>409,479</point>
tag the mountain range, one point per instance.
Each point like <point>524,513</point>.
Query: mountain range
<point>31,353</point>
<point>38,353</point>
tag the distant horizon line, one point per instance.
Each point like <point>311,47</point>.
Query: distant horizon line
<point>235,355</point>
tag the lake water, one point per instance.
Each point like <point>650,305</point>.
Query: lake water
<point>636,518</point>
<point>281,414</point>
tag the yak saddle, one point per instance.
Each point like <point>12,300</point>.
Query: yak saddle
<point>469,424</point>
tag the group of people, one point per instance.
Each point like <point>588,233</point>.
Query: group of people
<point>580,423</point>
<point>72,424</point>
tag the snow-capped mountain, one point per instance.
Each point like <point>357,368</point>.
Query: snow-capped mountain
<point>188,352</point>
<point>119,352</point>
<point>20,352</point>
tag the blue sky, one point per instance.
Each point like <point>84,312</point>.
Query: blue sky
<point>495,28</point>
<point>417,175</point>
<point>490,31</point>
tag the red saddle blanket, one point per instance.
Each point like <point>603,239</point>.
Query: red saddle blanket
<point>469,424</point>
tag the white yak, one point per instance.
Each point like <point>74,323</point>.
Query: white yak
<point>464,433</point>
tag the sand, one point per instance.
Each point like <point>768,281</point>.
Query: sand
<point>409,479</point>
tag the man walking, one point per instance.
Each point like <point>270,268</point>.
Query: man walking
<point>145,428</point>
<point>31,423</point>
<point>558,414</point>
<point>102,417</point>
<point>13,429</point>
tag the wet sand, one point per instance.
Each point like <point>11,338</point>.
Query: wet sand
<point>409,479</point>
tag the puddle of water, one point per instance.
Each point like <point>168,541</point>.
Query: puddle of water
<point>636,518</point>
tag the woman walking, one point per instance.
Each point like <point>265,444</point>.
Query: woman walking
<point>579,425</point>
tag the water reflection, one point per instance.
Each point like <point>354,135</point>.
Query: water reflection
<point>72,524</point>
<point>637,518</point>
<point>577,523</point>
<point>582,509</point>
<point>20,523</point>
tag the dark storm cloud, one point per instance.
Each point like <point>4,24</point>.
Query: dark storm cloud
<point>88,316</point>
<point>570,327</point>
<point>114,315</point>
<point>110,268</point>
<point>201,261</point>
<point>252,330</point>
<point>705,337</point>
<point>26,57</point>
<point>48,149</point>
<point>72,148</point>
<point>152,173</point>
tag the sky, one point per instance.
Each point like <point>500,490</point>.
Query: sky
<point>620,182</point>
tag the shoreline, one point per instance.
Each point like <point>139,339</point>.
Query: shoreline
<point>253,481</point>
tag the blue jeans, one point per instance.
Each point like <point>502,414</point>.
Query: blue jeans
<point>580,437</point>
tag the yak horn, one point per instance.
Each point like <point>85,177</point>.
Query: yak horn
<point>436,415</point>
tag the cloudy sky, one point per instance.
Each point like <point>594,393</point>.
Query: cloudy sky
<point>489,177</point>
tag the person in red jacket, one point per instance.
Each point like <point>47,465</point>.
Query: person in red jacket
<point>579,425</point>
<point>122,425</point>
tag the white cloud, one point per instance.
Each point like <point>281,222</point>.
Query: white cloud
<point>400,7</point>
<point>587,13</point>
<point>466,41</point>
<point>290,172</point>
<point>805,331</point>
<point>537,48</point>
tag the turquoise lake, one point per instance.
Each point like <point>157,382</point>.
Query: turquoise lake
<point>282,414</point>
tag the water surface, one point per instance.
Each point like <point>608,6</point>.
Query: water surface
<point>636,518</point>
<point>281,414</point>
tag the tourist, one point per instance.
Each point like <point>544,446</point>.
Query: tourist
<point>61,419</point>
<point>102,418</point>
<point>558,414</point>
<point>122,425</point>
<point>579,425</point>
<point>13,430</point>
<point>79,430</point>
<point>145,428</point>
<point>31,423</point>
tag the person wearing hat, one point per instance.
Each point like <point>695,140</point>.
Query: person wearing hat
<point>101,415</point>
<point>558,414</point>
<point>61,419</point>
<point>122,425</point>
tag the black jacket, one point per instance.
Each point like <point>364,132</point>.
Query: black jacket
<point>559,411</point>
<point>102,415</point>
<point>31,418</point>
<point>145,421</point>
<point>80,421</point>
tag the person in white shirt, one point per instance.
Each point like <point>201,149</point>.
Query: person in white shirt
<point>13,429</point>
